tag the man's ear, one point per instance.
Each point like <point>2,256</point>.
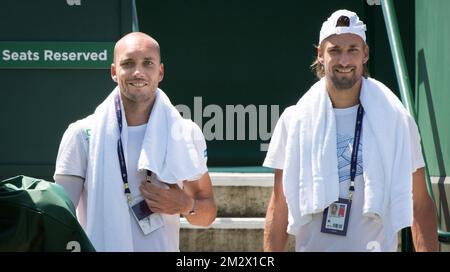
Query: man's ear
<point>320,54</point>
<point>366,54</point>
<point>161,72</point>
<point>113,72</point>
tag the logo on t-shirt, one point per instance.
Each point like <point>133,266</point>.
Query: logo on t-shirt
<point>344,153</point>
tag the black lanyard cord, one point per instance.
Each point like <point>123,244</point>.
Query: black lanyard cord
<point>123,165</point>
<point>354,159</point>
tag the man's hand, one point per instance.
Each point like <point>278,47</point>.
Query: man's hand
<point>172,200</point>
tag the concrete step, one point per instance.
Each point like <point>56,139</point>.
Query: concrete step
<point>242,200</point>
<point>242,194</point>
<point>225,235</point>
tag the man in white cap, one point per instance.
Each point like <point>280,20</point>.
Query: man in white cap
<point>350,143</point>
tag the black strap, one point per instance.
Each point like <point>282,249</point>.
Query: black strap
<point>356,140</point>
<point>123,165</point>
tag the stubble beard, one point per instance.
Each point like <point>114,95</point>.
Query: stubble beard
<point>344,83</point>
<point>134,99</point>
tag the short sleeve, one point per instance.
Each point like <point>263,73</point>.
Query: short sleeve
<point>200,147</point>
<point>416,149</point>
<point>277,147</point>
<point>73,151</point>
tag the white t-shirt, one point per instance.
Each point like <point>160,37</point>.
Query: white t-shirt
<point>363,233</point>
<point>72,160</point>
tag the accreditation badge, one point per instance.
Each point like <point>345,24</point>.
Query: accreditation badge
<point>147,220</point>
<point>335,217</point>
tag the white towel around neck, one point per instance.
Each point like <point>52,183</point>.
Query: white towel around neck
<point>168,150</point>
<point>310,175</point>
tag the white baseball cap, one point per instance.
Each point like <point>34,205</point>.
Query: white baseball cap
<point>329,27</point>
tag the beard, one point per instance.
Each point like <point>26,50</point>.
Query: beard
<point>344,83</point>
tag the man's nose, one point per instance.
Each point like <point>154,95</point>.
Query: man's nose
<point>137,71</point>
<point>344,60</point>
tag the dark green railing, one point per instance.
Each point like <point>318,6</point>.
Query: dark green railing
<point>135,22</point>
<point>390,19</point>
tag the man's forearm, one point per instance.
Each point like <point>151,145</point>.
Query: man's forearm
<point>424,228</point>
<point>205,213</point>
<point>275,236</point>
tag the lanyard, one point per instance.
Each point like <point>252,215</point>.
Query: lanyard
<point>123,165</point>
<point>356,140</point>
